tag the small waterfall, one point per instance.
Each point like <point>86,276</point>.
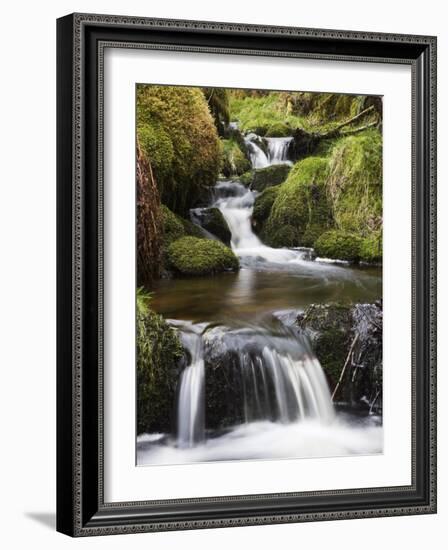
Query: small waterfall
<point>258,157</point>
<point>190,405</point>
<point>236,204</point>
<point>278,378</point>
<point>278,148</point>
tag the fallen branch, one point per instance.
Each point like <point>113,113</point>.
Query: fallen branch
<point>350,351</point>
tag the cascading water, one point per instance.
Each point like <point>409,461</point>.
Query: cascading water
<point>278,149</point>
<point>279,378</point>
<point>257,155</point>
<point>257,390</point>
<point>190,402</point>
<point>236,205</point>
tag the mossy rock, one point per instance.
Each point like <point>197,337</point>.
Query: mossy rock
<point>234,159</point>
<point>262,178</point>
<point>262,208</point>
<point>278,129</point>
<point>349,334</point>
<point>191,229</point>
<point>371,249</point>
<point>178,136</point>
<point>192,256</point>
<point>339,245</point>
<point>330,329</point>
<point>159,355</point>
<point>301,209</point>
<point>355,183</point>
<point>173,228</point>
<point>212,220</point>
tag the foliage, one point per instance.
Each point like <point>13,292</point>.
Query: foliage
<point>371,249</point>
<point>177,135</point>
<point>158,354</point>
<point>355,182</point>
<point>234,159</point>
<point>263,114</point>
<point>278,114</point>
<point>173,228</point>
<point>192,256</point>
<point>339,245</point>
<point>301,210</point>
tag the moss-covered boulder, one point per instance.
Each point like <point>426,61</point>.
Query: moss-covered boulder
<point>173,228</point>
<point>339,245</point>
<point>262,178</point>
<point>348,336</point>
<point>371,249</point>
<point>234,158</point>
<point>212,220</point>
<point>159,355</point>
<point>178,136</point>
<point>301,211</point>
<point>262,209</point>
<point>192,256</point>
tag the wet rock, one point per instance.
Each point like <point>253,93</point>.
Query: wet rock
<point>212,220</point>
<point>262,178</point>
<point>350,337</point>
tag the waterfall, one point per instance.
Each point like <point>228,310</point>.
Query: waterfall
<point>278,149</point>
<point>236,205</point>
<point>190,403</point>
<point>258,157</point>
<point>278,378</point>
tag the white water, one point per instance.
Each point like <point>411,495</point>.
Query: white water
<point>257,156</point>
<point>268,440</point>
<point>237,211</point>
<point>236,203</point>
<point>190,403</point>
<point>278,150</point>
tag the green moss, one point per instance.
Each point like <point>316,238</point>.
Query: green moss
<point>191,229</point>
<point>173,228</point>
<point>339,245</point>
<point>301,209</point>
<point>355,182</point>
<point>265,114</point>
<point>278,129</point>
<point>177,135</point>
<point>261,178</point>
<point>246,178</point>
<point>371,249</point>
<point>234,160</point>
<point>158,354</point>
<point>192,256</point>
<point>262,208</point>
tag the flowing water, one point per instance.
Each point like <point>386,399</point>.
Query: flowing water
<point>237,331</point>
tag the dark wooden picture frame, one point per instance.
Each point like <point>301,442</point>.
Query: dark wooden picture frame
<point>81,509</point>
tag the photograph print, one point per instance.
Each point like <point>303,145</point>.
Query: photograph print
<point>259,274</point>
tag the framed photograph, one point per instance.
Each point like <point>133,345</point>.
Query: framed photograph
<point>246,274</point>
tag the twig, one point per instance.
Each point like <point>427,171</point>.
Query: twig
<point>350,351</point>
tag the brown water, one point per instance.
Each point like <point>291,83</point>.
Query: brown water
<point>253,292</point>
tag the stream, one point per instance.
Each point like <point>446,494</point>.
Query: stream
<point>240,326</point>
